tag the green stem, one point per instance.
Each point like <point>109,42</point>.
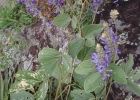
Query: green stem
<point>6,84</point>
<point>57,91</point>
<point>94,14</point>
<point>108,88</point>
<point>59,84</point>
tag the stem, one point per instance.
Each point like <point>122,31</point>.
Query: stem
<point>108,89</point>
<point>69,87</point>
<point>57,91</point>
<point>94,14</point>
<point>6,85</point>
<point>59,85</point>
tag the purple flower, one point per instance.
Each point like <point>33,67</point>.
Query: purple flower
<point>38,8</point>
<point>57,12</point>
<point>50,24</point>
<point>96,3</point>
<point>59,3</point>
<point>44,22</point>
<point>101,64</point>
<point>33,2</point>
<point>113,35</point>
<point>50,2</point>
<point>23,1</point>
<point>103,57</point>
<point>32,11</point>
<point>18,1</point>
<point>115,2</point>
<point>118,51</point>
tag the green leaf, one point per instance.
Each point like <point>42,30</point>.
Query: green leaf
<point>118,74</point>
<point>74,22</point>
<point>48,53</point>
<point>81,55</point>
<point>94,29</point>
<point>30,76</point>
<point>80,78</point>
<point>49,59</point>
<point>67,62</point>
<point>21,96</point>
<point>90,42</point>
<point>62,20</point>
<point>85,53</point>
<point>81,95</point>
<point>127,67</point>
<point>62,74</point>
<point>1,86</point>
<point>42,91</point>
<point>134,75</point>
<point>75,46</point>
<point>99,90</point>
<point>85,67</point>
<point>133,87</point>
<point>48,68</point>
<point>21,86</point>
<point>92,82</point>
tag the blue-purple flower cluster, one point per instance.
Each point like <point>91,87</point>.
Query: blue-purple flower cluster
<point>103,57</point>
<point>96,3</point>
<point>109,40</point>
<point>31,6</point>
<point>101,60</point>
<point>56,2</point>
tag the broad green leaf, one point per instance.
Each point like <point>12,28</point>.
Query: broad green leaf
<point>94,29</point>
<point>127,67</point>
<point>80,78</point>
<point>81,95</point>
<point>133,87</point>
<point>99,90</point>
<point>48,68</point>
<point>74,22</point>
<point>85,53</point>
<point>62,20</point>
<point>48,53</point>
<point>92,99</point>
<point>92,82</point>
<point>134,75</point>
<point>49,59</point>
<point>85,67</point>
<point>118,74</point>
<point>42,91</point>
<point>1,86</point>
<point>75,46</point>
<point>61,73</point>
<point>67,62</point>
<point>81,55</point>
<point>30,76</point>
<point>21,86</point>
<point>90,42</point>
<point>22,95</point>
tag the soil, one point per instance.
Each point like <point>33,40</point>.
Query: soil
<point>129,15</point>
